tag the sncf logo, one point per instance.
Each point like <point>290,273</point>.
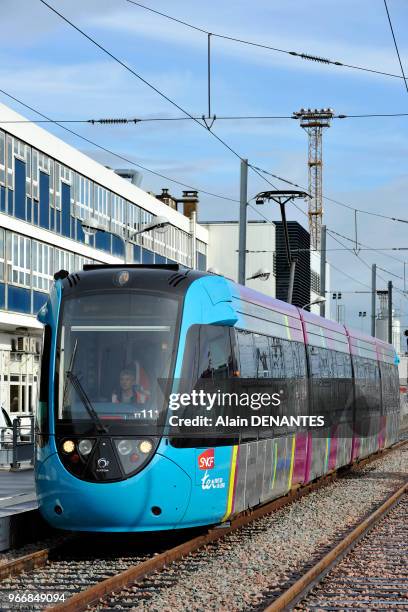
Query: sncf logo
<point>206,460</point>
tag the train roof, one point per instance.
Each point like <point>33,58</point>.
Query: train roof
<point>361,344</point>
<point>180,278</point>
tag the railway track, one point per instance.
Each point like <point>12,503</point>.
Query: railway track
<point>366,570</point>
<point>82,572</point>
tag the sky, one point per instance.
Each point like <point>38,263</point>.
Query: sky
<point>50,66</point>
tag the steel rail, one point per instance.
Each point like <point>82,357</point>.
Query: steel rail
<point>302,587</point>
<point>25,563</point>
<point>80,601</point>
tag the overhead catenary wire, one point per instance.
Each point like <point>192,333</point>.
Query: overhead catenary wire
<point>301,55</point>
<point>147,83</point>
<point>154,88</point>
<point>150,85</point>
<point>345,248</point>
<point>363,247</point>
<point>396,45</point>
<point>366,264</point>
<point>136,120</point>
<point>353,208</point>
<point>117,155</point>
<point>116,59</point>
<point>378,249</point>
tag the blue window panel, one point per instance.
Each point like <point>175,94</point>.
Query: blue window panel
<point>39,300</point>
<point>147,256</point>
<point>171,261</point>
<point>35,212</point>
<point>2,295</point>
<point>79,231</point>
<point>159,259</point>
<point>10,202</point>
<point>19,299</point>
<point>118,248</point>
<point>52,219</point>
<point>3,199</point>
<point>29,211</point>
<point>201,262</point>
<point>66,209</point>
<point>103,241</point>
<point>73,224</point>
<point>81,236</point>
<point>44,200</point>
<point>58,221</point>
<point>136,254</point>
<point>19,189</point>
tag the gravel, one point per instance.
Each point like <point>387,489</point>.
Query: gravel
<point>253,565</point>
<point>374,575</point>
<point>27,549</point>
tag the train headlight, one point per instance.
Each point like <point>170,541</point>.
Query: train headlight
<point>68,447</point>
<point>125,447</point>
<point>85,447</point>
<point>145,446</point>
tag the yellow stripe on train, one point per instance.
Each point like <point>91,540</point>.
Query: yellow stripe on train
<point>231,483</point>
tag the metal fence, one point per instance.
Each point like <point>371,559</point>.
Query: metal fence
<point>17,443</point>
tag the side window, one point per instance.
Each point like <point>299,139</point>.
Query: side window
<point>262,357</point>
<point>215,354</point>
<point>277,357</point>
<point>43,408</point>
<point>246,354</point>
<point>299,360</point>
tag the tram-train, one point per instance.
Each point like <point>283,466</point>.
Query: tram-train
<point>109,329</point>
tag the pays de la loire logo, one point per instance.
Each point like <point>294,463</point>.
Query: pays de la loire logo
<point>206,460</point>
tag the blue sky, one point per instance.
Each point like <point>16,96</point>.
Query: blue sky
<point>51,67</point>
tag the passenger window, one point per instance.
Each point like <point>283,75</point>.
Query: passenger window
<point>215,356</point>
<point>277,357</point>
<point>246,354</point>
<point>262,357</point>
<point>42,416</point>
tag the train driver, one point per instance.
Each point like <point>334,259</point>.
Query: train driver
<point>134,386</point>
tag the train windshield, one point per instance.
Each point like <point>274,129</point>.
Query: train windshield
<point>115,352</point>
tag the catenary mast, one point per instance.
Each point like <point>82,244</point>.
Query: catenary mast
<point>314,121</point>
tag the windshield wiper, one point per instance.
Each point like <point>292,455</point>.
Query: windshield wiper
<point>73,378</point>
<point>70,368</point>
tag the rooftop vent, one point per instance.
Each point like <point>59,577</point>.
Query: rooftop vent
<point>133,176</point>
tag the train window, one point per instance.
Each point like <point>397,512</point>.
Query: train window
<point>390,387</point>
<point>276,349</point>
<point>367,385</point>
<point>262,356</point>
<point>114,354</point>
<point>208,356</point>
<point>246,354</point>
<point>299,359</point>
<point>215,354</point>
<point>42,415</point>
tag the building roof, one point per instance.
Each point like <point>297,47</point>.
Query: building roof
<point>68,155</point>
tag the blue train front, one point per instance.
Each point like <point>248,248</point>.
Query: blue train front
<point>111,333</point>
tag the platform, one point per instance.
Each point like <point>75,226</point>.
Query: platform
<point>20,521</point>
<point>17,491</point>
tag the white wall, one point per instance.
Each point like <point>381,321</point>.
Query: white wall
<point>223,251</point>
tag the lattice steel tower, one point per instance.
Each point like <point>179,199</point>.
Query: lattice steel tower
<point>314,121</point>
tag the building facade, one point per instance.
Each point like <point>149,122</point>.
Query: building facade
<point>223,251</point>
<point>47,188</point>
<point>266,250</point>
